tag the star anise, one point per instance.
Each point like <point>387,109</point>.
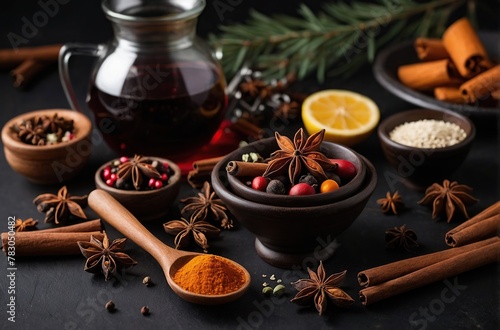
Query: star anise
<point>136,168</point>
<point>58,208</point>
<point>287,110</point>
<point>449,196</point>
<point>105,258</point>
<point>252,86</point>
<point>391,202</point>
<point>318,288</point>
<point>31,133</point>
<point>200,230</point>
<point>25,225</point>
<point>206,206</point>
<point>401,237</point>
<point>292,156</point>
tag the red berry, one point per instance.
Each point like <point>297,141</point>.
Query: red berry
<point>346,170</point>
<point>110,182</point>
<point>259,183</point>
<point>106,173</point>
<point>151,182</point>
<point>113,176</point>
<point>165,166</point>
<point>123,159</point>
<point>164,177</point>
<point>158,184</point>
<point>301,189</point>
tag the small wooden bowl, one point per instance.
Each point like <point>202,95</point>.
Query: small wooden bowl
<point>49,164</point>
<point>145,205</point>
<point>416,167</point>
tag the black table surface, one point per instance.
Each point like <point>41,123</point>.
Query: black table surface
<point>55,292</point>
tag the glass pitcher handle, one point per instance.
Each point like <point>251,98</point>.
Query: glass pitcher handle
<point>64,55</point>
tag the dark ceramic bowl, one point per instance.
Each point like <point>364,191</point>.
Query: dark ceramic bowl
<point>416,167</point>
<point>145,205</point>
<point>389,59</point>
<point>331,150</point>
<point>286,236</point>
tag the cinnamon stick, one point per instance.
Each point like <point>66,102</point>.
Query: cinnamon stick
<point>206,164</point>
<point>202,170</point>
<point>86,226</point>
<point>481,86</point>
<point>496,94</point>
<point>449,94</point>
<point>465,48</point>
<point>25,72</point>
<point>430,49</point>
<point>381,274</point>
<point>437,271</point>
<point>483,225</point>
<point>428,75</point>
<point>10,58</point>
<point>245,127</point>
<point>237,168</point>
<point>41,243</point>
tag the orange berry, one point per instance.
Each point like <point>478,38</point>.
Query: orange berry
<point>329,185</point>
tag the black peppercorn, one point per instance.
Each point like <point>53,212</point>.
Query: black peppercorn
<point>309,179</point>
<point>110,306</point>
<point>145,310</point>
<point>276,187</point>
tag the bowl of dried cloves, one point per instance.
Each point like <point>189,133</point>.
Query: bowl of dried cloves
<point>146,186</point>
<point>48,146</point>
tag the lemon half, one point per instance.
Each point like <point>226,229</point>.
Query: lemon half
<point>347,117</point>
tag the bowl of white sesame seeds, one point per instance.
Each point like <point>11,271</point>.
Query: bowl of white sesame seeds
<point>424,145</point>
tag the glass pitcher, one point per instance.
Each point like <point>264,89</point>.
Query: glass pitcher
<point>156,88</point>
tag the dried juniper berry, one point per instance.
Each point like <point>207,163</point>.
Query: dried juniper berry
<point>276,187</point>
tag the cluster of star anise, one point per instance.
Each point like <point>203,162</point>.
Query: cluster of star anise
<point>199,210</point>
<point>42,130</point>
<point>272,95</point>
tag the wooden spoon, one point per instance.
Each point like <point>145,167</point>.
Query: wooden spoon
<point>169,259</point>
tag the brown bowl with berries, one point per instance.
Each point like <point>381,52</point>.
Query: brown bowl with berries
<point>146,186</point>
<point>47,146</point>
<point>272,187</point>
<point>285,235</point>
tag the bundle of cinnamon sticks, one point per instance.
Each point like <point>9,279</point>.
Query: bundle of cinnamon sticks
<point>475,244</point>
<point>55,241</point>
<point>28,62</point>
<point>455,68</point>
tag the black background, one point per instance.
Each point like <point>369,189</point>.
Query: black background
<point>57,293</point>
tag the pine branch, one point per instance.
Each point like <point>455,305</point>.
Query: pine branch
<point>336,41</point>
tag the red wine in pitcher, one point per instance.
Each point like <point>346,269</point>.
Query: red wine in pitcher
<point>159,110</point>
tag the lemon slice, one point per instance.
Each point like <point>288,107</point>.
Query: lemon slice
<point>347,117</point>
